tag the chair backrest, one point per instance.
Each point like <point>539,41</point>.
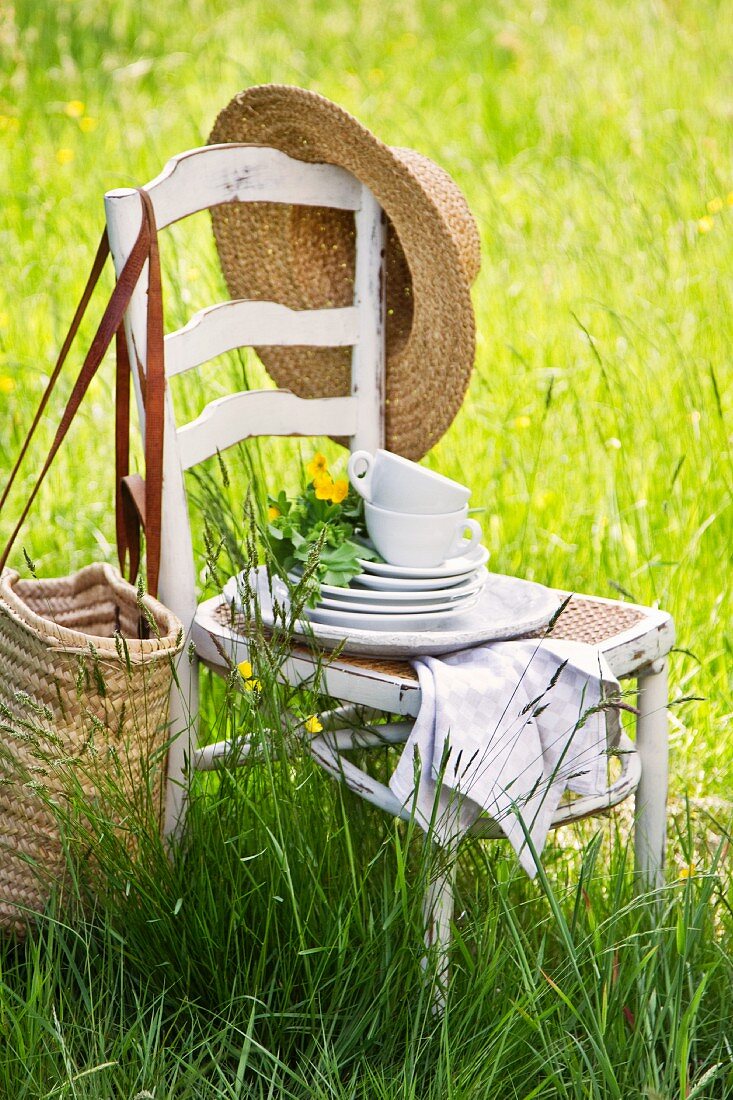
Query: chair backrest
<point>207,177</point>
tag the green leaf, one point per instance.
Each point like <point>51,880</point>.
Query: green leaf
<point>306,523</point>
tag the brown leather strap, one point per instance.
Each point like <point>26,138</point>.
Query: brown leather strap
<point>131,517</point>
<point>122,448</point>
<point>99,261</point>
<point>145,248</point>
<point>154,406</point>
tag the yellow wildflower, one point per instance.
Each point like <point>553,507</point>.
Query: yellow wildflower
<point>74,108</point>
<point>272,513</point>
<point>715,205</point>
<point>317,465</point>
<point>324,487</point>
<point>340,490</point>
<point>9,122</point>
<point>522,422</point>
<point>64,156</point>
<point>313,724</point>
<point>705,224</point>
<point>729,198</point>
<point>7,385</point>
<point>87,124</point>
<point>251,683</point>
<point>688,871</point>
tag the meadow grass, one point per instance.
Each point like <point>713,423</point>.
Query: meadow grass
<point>276,955</point>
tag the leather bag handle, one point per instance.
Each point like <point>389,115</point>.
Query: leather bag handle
<point>145,249</point>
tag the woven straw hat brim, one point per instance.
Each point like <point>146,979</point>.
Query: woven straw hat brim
<point>304,256</point>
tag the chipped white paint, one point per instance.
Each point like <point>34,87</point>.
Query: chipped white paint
<point>368,356</point>
<point>238,324</point>
<point>214,174</point>
<point>238,416</point>
<point>177,582</point>
<point>194,181</point>
<point>651,795</point>
<point>208,177</point>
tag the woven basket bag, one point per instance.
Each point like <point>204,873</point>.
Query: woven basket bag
<point>86,663</point>
<point>85,673</point>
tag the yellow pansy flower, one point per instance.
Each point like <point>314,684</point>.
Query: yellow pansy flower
<point>340,490</point>
<point>272,513</point>
<point>313,724</point>
<point>7,384</point>
<point>74,108</point>
<point>317,465</point>
<point>324,486</point>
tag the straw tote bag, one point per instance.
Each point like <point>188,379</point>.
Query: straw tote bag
<point>86,661</point>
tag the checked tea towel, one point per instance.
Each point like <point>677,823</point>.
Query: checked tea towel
<point>507,728</point>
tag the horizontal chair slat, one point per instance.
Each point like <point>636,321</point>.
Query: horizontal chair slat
<point>244,173</point>
<point>228,420</point>
<point>241,323</point>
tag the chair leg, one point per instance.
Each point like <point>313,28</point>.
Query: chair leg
<point>183,717</point>
<point>651,794</point>
<point>437,917</point>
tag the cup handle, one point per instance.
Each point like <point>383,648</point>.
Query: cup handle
<point>460,543</point>
<point>362,483</point>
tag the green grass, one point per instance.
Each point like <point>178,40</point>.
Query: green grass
<point>277,956</point>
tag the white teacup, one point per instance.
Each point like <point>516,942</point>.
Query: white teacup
<point>390,481</point>
<point>404,538</point>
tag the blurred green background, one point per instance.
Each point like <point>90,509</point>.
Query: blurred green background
<point>593,142</point>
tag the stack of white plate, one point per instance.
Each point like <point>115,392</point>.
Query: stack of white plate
<point>402,597</point>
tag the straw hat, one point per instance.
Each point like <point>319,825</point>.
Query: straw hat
<point>304,257</point>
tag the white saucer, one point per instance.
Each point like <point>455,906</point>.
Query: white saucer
<point>452,567</point>
<point>412,584</point>
<point>381,621</point>
<point>400,594</point>
<point>350,607</point>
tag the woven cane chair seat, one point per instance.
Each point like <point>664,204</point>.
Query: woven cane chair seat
<point>631,636</point>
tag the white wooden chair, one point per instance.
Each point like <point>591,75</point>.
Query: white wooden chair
<point>635,640</point>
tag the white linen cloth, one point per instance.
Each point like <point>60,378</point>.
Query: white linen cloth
<point>506,728</point>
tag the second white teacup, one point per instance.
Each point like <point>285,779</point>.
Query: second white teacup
<point>393,482</point>
<point>404,538</point>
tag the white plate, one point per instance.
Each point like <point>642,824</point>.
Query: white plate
<point>453,567</point>
<point>381,621</point>
<point>351,607</point>
<point>412,584</point>
<point>506,608</point>
<point>401,595</point>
